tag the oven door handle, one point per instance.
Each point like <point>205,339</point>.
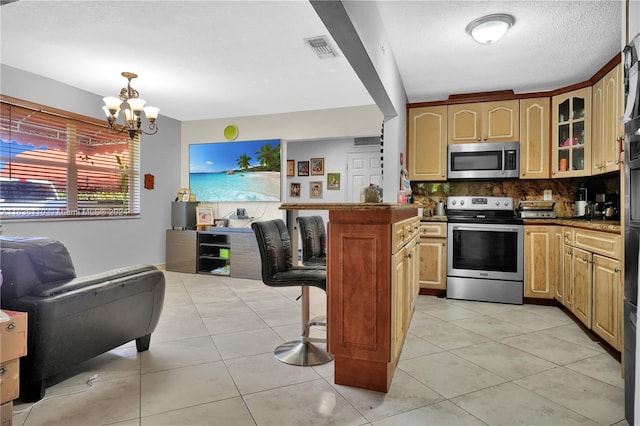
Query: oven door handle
<point>485,228</point>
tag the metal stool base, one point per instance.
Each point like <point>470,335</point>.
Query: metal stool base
<point>301,353</point>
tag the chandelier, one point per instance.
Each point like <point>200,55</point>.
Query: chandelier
<point>132,106</point>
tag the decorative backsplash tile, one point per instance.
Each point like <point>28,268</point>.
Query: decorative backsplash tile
<point>563,190</point>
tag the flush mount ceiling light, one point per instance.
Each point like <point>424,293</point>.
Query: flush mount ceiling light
<point>490,28</point>
<point>129,102</point>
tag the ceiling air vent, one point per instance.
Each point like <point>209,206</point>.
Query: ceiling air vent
<point>368,140</point>
<point>321,46</point>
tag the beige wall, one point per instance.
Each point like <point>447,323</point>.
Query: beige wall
<point>320,124</point>
<point>313,126</point>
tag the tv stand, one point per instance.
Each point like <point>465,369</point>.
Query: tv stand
<point>208,252</point>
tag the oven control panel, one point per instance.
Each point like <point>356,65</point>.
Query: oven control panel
<point>468,202</point>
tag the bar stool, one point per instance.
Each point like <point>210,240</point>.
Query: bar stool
<point>274,244</point>
<point>314,240</point>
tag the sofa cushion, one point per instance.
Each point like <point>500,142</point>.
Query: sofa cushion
<point>50,259</point>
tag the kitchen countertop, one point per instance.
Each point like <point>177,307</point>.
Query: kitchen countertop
<point>346,206</point>
<point>611,226</point>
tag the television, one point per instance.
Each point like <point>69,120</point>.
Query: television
<point>235,171</point>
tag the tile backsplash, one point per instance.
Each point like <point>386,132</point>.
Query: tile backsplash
<point>563,190</point>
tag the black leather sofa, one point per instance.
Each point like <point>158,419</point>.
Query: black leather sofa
<point>71,319</point>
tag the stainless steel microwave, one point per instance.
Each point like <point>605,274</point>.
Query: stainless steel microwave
<point>495,160</point>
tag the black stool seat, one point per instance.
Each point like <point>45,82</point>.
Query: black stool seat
<point>278,270</point>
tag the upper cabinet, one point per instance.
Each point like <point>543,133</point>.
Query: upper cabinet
<point>534,138</point>
<point>571,134</point>
<point>428,143</point>
<point>607,128</point>
<point>484,122</point>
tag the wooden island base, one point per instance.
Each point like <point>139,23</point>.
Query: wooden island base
<point>363,374</point>
<point>372,282</point>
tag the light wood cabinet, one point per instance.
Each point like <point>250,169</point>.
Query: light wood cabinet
<point>484,122</point>
<point>433,256</point>
<point>593,281</point>
<point>539,261</point>
<point>534,138</point>
<point>581,277</point>
<point>558,267</point>
<point>427,140</point>
<point>571,134</point>
<point>607,294</point>
<point>607,128</point>
<point>567,276</point>
<point>404,283</point>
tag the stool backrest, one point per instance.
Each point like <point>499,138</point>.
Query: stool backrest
<point>274,244</point>
<point>314,238</point>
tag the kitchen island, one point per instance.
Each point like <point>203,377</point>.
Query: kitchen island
<point>372,282</point>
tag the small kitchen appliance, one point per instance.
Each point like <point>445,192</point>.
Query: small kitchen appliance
<point>493,160</point>
<point>536,209</point>
<point>581,202</point>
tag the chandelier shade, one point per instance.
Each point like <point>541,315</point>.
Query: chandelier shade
<point>133,108</point>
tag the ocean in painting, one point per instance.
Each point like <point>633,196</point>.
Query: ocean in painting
<point>240,186</point>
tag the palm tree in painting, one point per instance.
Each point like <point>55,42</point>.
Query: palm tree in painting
<point>269,157</point>
<point>243,161</point>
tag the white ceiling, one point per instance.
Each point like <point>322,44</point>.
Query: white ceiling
<point>214,59</point>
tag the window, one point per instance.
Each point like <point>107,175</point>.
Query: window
<point>59,164</point>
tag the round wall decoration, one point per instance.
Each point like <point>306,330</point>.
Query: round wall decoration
<point>230,132</point>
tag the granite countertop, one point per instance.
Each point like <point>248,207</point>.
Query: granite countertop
<point>347,206</point>
<point>611,226</point>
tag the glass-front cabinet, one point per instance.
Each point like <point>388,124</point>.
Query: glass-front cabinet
<point>571,143</point>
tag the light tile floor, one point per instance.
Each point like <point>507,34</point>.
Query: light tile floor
<point>463,363</point>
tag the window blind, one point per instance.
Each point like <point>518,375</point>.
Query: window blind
<point>59,164</point>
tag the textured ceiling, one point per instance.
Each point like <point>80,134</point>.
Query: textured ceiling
<point>214,59</point>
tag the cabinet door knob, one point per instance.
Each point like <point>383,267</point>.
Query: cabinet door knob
<point>616,270</point>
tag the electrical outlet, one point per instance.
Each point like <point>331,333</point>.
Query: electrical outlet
<point>548,195</point>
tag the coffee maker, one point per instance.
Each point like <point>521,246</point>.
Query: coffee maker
<point>581,202</point>
<point>598,206</point>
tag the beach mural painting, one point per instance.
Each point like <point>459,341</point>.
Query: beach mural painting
<point>235,171</point>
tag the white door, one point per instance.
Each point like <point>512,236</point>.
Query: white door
<point>363,168</point>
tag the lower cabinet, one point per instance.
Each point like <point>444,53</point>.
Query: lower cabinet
<point>607,300</point>
<point>581,269</point>
<point>539,261</point>
<point>433,255</point>
<point>593,281</point>
<point>405,289</point>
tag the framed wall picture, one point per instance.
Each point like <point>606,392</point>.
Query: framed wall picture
<point>317,167</point>
<point>204,216</point>
<point>303,168</point>
<point>291,167</point>
<point>333,181</point>
<point>294,190</point>
<point>183,194</point>
<point>315,189</point>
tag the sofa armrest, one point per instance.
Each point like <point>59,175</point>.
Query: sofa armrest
<point>100,279</point>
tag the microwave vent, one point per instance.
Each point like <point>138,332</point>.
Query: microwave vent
<point>368,140</point>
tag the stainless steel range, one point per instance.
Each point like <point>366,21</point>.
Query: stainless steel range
<point>485,245</point>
